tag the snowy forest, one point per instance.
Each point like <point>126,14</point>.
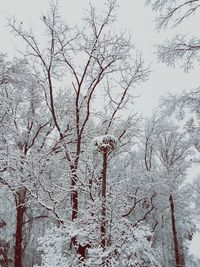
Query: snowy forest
<point>85,180</point>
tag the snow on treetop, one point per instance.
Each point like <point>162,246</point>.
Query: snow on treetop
<point>105,143</point>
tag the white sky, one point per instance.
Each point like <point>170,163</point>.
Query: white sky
<point>138,20</point>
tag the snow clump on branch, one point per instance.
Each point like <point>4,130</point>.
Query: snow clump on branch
<point>105,143</point>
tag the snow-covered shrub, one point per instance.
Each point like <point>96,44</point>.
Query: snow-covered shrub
<point>129,246</point>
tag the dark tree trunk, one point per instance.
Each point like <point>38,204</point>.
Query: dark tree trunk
<point>74,201</point>
<point>20,210</point>
<point>81,250</point>
<point>174,232</point>
<point>103,195</point>
<point>74,195</point>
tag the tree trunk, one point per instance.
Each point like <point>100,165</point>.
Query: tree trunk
<point>103,195</point>
<point>74,194</point>
<point>81,250</point>
<point>20,210</point>
<point>4,260</point>
<point>175,239</point>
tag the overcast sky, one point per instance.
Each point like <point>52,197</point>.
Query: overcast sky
<point>132,15</point>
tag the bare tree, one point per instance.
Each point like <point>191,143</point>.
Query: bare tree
<point>84,59</point>
<point>182,48</point>
<point>23,132</point>
<point>173,11</point>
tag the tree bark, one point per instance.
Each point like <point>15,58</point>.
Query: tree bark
<point>103,195</point>
<point>4,260</point>
<point>74,195</point>
<point>81,250</point>
<point>174,232</point>
<point>20,210</point>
